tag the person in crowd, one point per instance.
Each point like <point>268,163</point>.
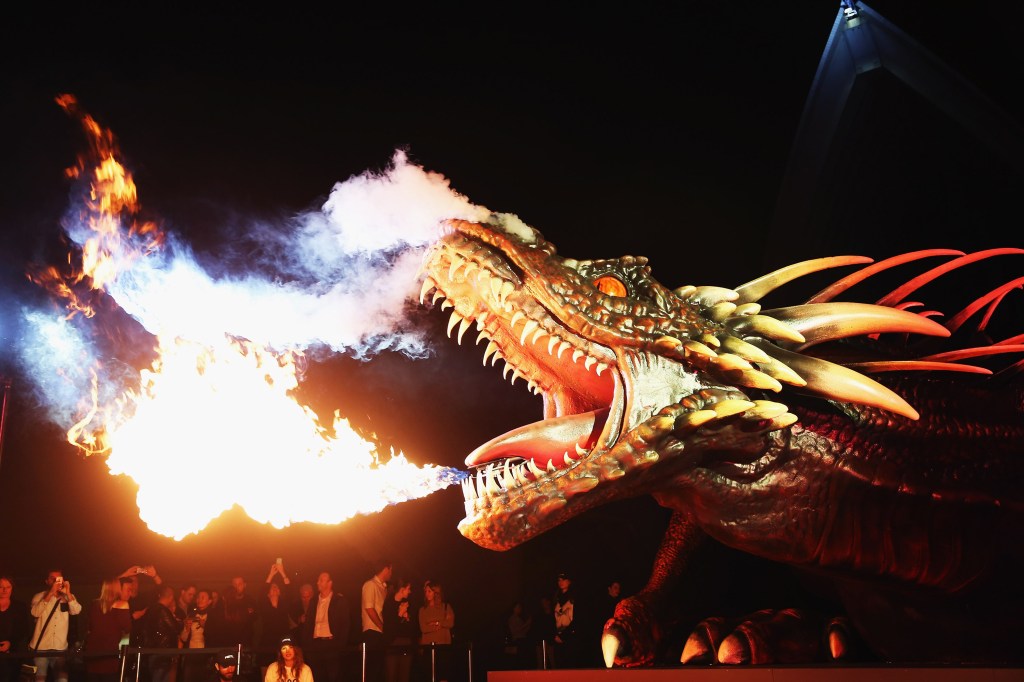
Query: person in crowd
<point>565,612</point>
<point>543,633</point>
<point>239,617</point>
<point>162,631</point>
<point>15,628</point>
<point>289,665</point>
<point>613,593</point>
<point>52,608</point>
<point>144,582</point>
<point>517,633</point>
<point>186,600</point>
<point>273,623</point>
<point>225,665</point>
<point>109,623</point>
<point>326,630</point>
<point>400,630</point>
<point>604,611</point>
<point>193,636</point>
<point>303,605</point>
<point>374,593</point>
<point>436,620</point>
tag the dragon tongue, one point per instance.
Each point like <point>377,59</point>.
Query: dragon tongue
<point>543,440</point>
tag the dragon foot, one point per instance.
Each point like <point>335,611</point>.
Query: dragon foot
<point>631,636</point>
<point>768,636</point>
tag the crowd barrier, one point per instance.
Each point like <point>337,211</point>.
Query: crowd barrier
<point>132,659</point>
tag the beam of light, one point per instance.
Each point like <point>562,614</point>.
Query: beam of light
<point>221,355</point>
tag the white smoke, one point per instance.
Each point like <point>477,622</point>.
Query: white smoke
<point>346,275</point>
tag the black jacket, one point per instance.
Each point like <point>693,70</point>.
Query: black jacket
<point>337,620</point>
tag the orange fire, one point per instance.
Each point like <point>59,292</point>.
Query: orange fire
<point>224,406</point>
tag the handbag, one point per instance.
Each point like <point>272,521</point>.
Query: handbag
<point>28,670</point>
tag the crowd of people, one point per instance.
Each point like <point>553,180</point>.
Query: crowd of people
<point>188,633</point>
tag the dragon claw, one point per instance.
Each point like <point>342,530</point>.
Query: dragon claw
<point>703,642</point>
<point>630,636</point>
<point>610,647</point>
<point>767,636</point>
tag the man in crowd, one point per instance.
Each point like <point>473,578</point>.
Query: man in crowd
<point>226,664</point>
<point>326,631</point>
<point>374,592</point>
<point>52,608</point>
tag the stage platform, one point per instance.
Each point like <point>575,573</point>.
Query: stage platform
<point>766,674</point>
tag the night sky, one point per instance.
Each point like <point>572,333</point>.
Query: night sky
<point>643,129</point>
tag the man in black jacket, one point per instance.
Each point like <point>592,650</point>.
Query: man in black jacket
<point>325,631</point>
<point>162,631</point>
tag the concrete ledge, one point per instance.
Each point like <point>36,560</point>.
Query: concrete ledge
<point>766,674</point>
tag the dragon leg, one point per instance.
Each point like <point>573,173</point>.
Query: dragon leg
<point>632,636</point>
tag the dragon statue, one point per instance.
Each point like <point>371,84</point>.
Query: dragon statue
<point>761,430</point>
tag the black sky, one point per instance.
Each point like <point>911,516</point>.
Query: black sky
<point>657,130</point>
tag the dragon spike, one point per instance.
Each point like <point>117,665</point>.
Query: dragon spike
<point>762,325</point>
<point>710,340</point>
<point>721,310</point>
<point>878,366</point>
<point>754,379</point>
<point>991,299</point>
<point>839,383</point>
<point>766,409</point>
<point>819,322</point>
<point>913,285</point>
<point>710,296</point>
<point>757,289</point>
<point>685,292</point>
<point>833,290</point>
<point>781,371</point>
<point>738,346</point>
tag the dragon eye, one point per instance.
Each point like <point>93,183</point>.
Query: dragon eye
<point>610,285</point>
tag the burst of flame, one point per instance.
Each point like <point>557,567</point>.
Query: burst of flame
<point>220,411</point>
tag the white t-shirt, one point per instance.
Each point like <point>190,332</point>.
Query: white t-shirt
<point>306,675</point>
<point>374,593</point>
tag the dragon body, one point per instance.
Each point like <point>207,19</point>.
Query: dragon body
<point>796,434</point>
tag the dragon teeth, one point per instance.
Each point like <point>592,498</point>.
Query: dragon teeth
<point>530,326</point>
<point>428,284</point>
<point>463,326</point>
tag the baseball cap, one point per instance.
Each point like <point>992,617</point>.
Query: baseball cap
<point>564,576</point>
<point>287,641</point>
<point>226,658</point>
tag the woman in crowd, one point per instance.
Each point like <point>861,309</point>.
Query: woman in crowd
<point>273,623</point>
<point>436,622</point>
<point>109,622</point>
<point>400,630</point>
<point>289,666</point>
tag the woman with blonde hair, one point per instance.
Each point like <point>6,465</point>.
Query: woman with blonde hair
<point>436,622</point>
<point>109,621</point>
<point>289,666</point>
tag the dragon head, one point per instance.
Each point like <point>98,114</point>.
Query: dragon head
<point>632,374</point>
